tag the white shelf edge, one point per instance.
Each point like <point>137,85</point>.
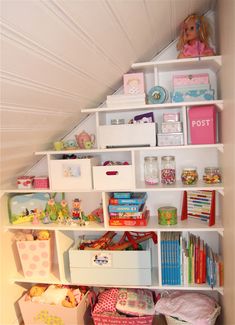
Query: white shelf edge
<point>218,103</point>
<point>218,146</point>
<point>215,62</point>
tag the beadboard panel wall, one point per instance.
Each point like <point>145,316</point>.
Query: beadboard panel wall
<point>59,56</point>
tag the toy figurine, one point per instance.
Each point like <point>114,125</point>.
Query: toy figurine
<point>76,211</point>
<point>194,37</point>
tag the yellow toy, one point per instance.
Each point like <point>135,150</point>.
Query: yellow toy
<point>43,235</point>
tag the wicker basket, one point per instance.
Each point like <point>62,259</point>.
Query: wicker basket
<point>172,321</point>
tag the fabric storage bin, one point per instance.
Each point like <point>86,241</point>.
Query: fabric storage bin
<point>41,182</point>
<point>139,134</point>
<point>105,267</point>
<point>72,174</point>
<point>112,320</point>
<point>115,177</point>
<point>36,313</point>
<point>35,257</point>
<point>202,122</point>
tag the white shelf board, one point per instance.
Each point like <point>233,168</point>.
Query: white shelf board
<point>51,279</point>
<point>207,62</point>
<point>218,146</point>
<point>178,186</point>
<point>93,226</point>
<point>218,103</point>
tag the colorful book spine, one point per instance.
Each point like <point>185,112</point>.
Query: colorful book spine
<point>124,208</point>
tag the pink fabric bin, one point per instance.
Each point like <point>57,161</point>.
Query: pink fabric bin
<point>41,182</point>
<point>202,123</point>
<point>35,257</point>
<point>35,313</point>
<point>100,319</point>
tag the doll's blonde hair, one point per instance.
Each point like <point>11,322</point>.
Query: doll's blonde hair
<point>203,30</point>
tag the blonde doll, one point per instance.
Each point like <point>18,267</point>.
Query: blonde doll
<point>194,38</point>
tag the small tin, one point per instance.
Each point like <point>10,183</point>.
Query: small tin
<point>167,216</point>
<point>25,182</point>
<point>117,121</point>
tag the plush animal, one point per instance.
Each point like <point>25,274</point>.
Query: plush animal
<point>54,295</point>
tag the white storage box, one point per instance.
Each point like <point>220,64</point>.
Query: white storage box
<point>103,267</point>
<point>171,127</point>
<point>115,177</point>
<point>139,134</point>
<point>72,174</point>
<point>170,139</point>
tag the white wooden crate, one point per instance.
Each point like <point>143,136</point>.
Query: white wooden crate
<point>116,177</point>
<point>99,267</point>
<point>127,135</point>
<point>72,174</point>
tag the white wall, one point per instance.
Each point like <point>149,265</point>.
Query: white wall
<point>226,22</point>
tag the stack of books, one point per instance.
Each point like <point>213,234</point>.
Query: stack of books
<point>128,209</point>
<point>125,100</point>
<point>189,261</point>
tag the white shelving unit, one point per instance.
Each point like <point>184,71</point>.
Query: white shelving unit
<point>159,195</point>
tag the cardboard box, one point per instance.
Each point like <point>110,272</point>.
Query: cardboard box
<point>69,174</point>
<point>35,257</point>
<point>103,267</point>
<point>35,313</point>
<point>202,122</point>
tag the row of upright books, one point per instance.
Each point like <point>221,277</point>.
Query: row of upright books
<point>128,209</point>
<point>189,260</point>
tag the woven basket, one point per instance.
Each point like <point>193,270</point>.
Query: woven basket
<point>172,321</point>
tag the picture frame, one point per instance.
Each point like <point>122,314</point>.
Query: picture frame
<point>133,83</point>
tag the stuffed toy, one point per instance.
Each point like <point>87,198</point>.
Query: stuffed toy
<point>194,37</point>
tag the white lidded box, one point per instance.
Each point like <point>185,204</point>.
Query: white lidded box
<point>35,313</point>
<point>170,139</point>
<point>115,177</point>
<point>72,174</point>
<point>105,267</point>
<point>139,134</point>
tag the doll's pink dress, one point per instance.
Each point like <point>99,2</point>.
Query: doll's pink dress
<point>197,49</point>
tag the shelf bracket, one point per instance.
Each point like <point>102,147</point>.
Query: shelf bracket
<point>221,192</point>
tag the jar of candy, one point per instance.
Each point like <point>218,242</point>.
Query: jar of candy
<point>189,176</point>
<point>212,175</point>
<point>168,170</point>
<point>151,170</point>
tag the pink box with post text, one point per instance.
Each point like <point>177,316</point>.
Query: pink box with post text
<point>203,124</point>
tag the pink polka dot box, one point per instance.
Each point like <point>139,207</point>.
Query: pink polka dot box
<point>35,257</point>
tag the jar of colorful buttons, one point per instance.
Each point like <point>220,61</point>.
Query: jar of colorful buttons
<point>212,175</point>
<point>168,170</point>
<point>189,176</point>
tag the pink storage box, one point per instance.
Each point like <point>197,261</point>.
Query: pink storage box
<point>171,117</point>
<point>41,182</point>
<point>35,313</point>
<point>100,319</point>
<point>190,80</point>
<point>202,122</point>
<point>35,257</point>
<point>25,182</point>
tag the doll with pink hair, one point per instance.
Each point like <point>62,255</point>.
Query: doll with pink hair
<point>194,38</point>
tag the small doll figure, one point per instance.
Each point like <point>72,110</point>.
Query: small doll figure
<point>76,210</point>
<point>194,38</point>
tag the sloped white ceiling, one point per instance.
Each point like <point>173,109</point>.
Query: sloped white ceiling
<point>59,56</point>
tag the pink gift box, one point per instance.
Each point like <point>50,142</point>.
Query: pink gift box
<point>41,182</point>
<point>34,313</point>
<point>202,121</point>
<point>190,80</point>
<point>35,257</point>
<point>171,117</point>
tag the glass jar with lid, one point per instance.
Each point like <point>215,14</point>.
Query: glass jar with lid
<point>189,176</point>
<point>151,170</point>
<point>168,172</point>
<point>212,175</point>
